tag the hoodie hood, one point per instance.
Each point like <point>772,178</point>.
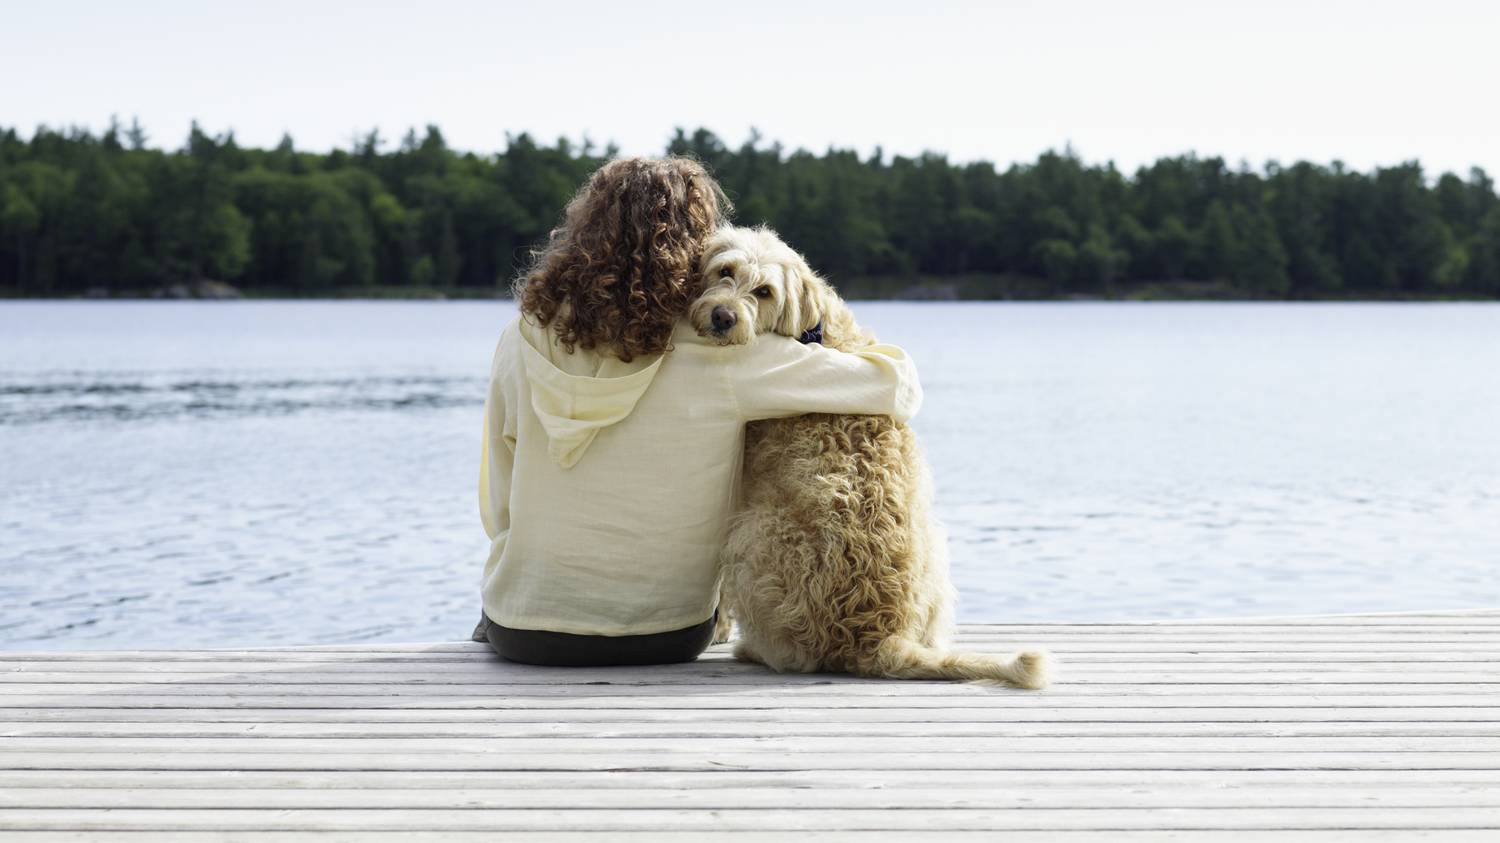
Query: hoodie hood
<point>573,407</point>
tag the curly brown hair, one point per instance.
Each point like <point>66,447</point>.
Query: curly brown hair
<point>620,270</point>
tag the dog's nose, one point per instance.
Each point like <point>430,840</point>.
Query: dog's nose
<point>723,318</point>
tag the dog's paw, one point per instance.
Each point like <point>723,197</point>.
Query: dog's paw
<point>744,653</point>
<point>723,630</point>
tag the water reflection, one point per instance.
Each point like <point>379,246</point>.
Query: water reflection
<point>126,397</point>
<point>177,474</point>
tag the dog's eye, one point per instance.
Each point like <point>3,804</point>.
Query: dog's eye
<point>762,292</point>
<point>726,272</point>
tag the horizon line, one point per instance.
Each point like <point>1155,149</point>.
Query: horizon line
<point>755,140</point>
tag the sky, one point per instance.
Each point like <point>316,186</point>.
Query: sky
<point>1369,83</point>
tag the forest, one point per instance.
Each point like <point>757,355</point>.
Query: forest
<point>111,214</point>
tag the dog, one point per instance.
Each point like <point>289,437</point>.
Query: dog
<point>834,562</point>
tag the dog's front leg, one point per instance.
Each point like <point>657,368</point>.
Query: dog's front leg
<point>723,623</point>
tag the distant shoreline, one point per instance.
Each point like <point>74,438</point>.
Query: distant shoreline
<point>974,288</point>
<point>422,220</point>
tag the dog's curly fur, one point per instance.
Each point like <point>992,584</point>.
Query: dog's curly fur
<point>834,562</point>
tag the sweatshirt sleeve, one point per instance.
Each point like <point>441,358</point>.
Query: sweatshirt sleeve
<point>496,462</point>
<point>777,376</point>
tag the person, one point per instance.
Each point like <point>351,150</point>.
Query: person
<point>613,432</point>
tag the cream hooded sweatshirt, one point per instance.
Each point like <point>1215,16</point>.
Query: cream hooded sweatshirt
<point>606,487</point>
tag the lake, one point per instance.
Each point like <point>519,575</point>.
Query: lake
<point>253,473</point>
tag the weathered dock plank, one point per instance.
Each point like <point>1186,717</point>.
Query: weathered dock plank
<point>1380,727</point>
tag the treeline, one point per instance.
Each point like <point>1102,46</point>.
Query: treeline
<point>109,214</point>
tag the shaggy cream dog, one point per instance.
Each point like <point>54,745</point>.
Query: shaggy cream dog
<point>835,562</point>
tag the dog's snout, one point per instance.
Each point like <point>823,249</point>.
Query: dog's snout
<point>723,318</point>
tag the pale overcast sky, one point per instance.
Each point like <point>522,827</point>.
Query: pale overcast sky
<point>1367,82</point>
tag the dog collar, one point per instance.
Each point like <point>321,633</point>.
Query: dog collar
<point>813,334</point>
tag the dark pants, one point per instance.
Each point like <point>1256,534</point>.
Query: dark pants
<point>562,649</point>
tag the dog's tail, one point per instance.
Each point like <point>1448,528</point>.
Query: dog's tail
<point>899,658</point>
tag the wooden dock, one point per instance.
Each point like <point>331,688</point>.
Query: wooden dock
<point>1352,728</point>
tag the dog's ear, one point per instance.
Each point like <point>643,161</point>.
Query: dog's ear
<point>805,298</point>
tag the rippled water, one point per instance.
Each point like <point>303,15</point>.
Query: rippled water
<point>222,474</point>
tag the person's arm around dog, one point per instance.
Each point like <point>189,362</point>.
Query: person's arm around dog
<point>776,376</point>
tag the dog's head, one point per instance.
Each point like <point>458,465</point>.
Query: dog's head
<point>753,283</point>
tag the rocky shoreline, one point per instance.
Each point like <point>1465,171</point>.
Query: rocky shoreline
<point>202,289</point>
